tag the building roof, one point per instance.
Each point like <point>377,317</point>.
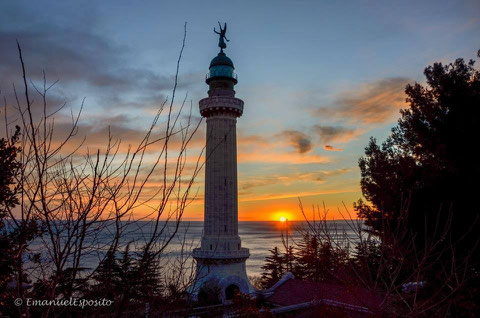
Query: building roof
<point>295,292</point>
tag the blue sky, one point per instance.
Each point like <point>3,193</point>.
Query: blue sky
<point>312,74</point>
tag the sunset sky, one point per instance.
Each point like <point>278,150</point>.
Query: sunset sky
<point>318,78</point>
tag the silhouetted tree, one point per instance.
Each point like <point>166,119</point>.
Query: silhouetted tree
<point>70,283</point>
<point>9,167</point>
<point>15,234</point>
<point>317,260</point>
<point>120,274</point>
<point>289,259</point>
<point>428,158</point>
<point>147,272</point>
<point>421,178</point>
<point>366,258</point>
<point>274,268</point>
<point>107,277</point>
<point>308,258</point>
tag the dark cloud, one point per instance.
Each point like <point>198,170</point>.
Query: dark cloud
<point>300,141</point>
<point>375,102</point>
<point>329,134</point>
<point>83,61</point>
<point>95,134</point>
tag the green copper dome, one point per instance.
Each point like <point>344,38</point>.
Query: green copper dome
<point>221,59</point>
<point>221,68</point>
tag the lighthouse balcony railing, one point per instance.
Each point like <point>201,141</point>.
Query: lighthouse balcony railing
<point>221,254</point>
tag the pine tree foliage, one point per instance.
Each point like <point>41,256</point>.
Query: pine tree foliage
<point>107,277</point>
<point>308,260</point>
<point>274,268</point>
<point>147,274</point>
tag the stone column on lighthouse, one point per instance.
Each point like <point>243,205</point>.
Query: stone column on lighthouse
<point>221,257</point>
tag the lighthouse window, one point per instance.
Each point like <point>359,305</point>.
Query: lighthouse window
<point>211,248</point>
<point>239,246</point>
<point>225,229</point>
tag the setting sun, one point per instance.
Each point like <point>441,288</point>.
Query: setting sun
<point>281,216</point>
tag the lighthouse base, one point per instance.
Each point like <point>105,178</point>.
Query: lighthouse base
<point>229,274</point>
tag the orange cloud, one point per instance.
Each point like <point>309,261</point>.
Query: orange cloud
<point>255,140</point>
<point>331,148</point>
<point>277,149</point>
<point>272,209</point>
<point>266,156</point>
<point>94,135</point>
<point>277,185</point>
<point>374,102</point>
<point>271,196</point>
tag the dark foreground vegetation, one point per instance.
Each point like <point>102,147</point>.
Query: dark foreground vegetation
<point>416,245</point>
<point>58,198</point>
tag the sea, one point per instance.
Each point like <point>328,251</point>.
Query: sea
<point>261,236</point>
<point>258,236</point>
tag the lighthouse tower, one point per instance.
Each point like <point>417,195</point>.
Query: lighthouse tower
<point>221,257</point>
